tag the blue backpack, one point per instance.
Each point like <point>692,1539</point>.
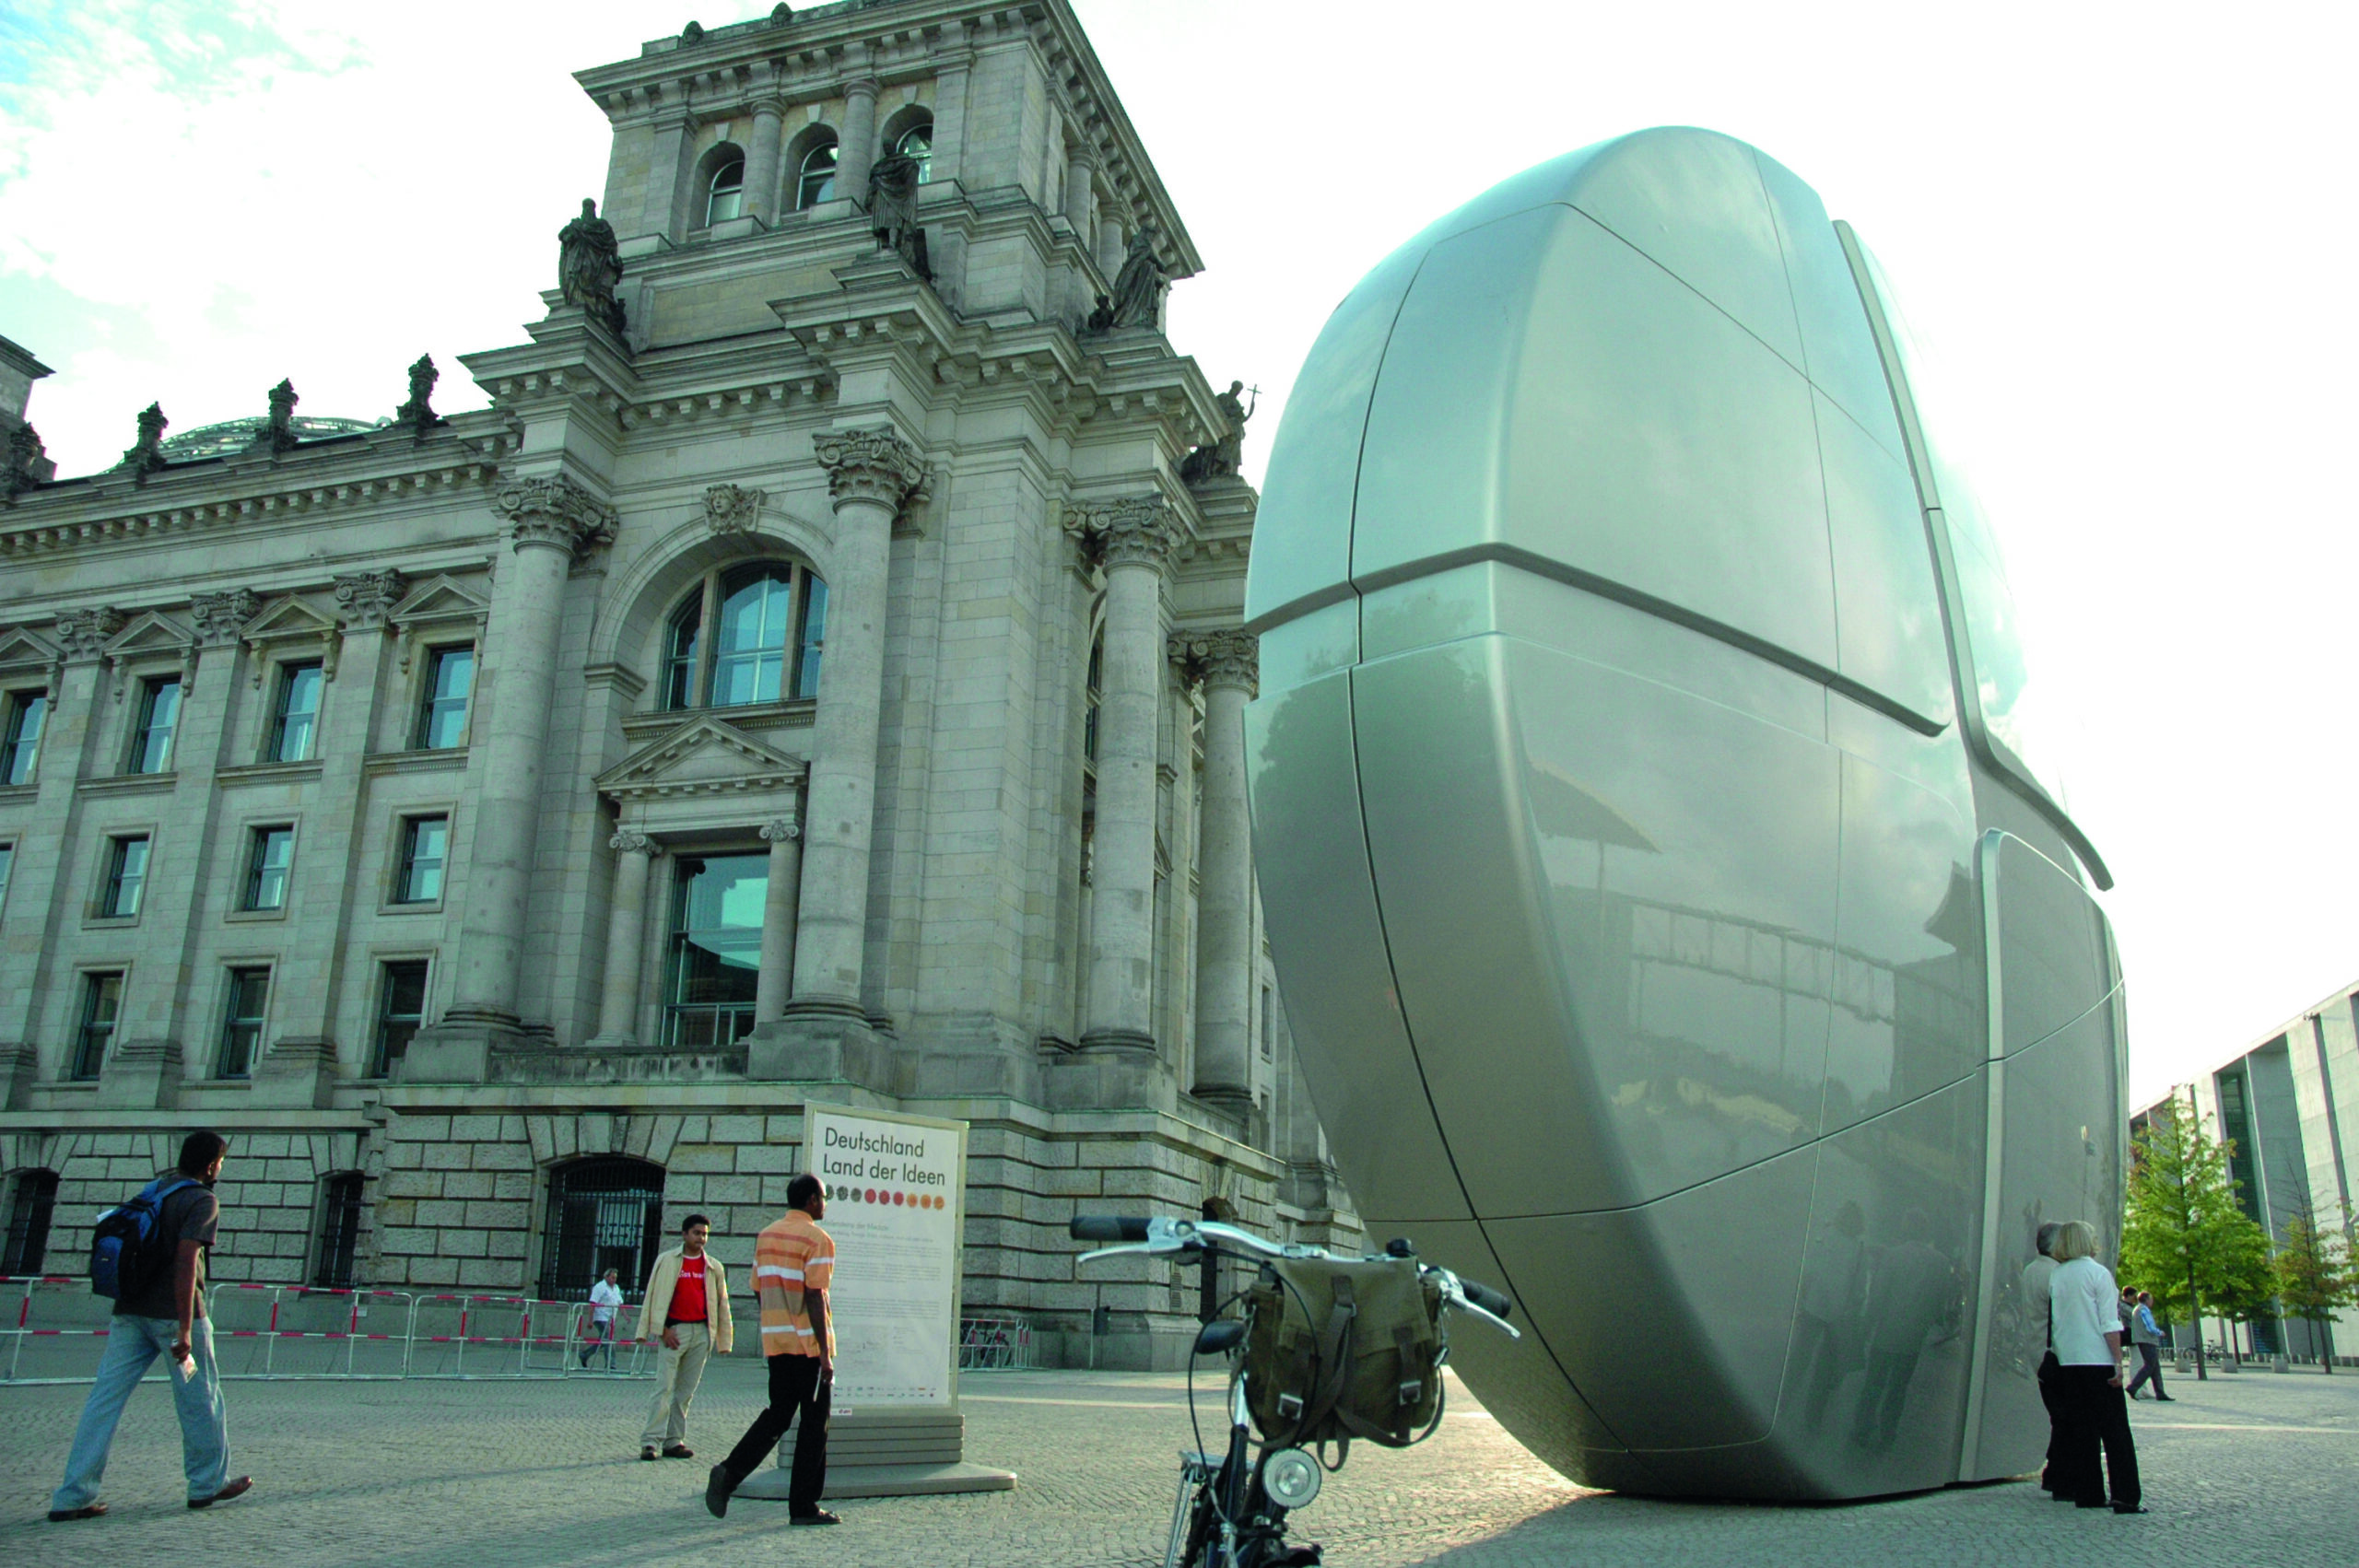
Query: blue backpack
<point>123,1254</point>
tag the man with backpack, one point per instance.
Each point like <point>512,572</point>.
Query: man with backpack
<point>150,1255</point>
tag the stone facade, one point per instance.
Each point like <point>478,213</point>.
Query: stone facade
<point>861,616</point>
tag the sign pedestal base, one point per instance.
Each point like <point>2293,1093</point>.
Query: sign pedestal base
<point>887,1453</point>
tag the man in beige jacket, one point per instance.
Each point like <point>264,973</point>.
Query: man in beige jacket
<point>687,1302</point>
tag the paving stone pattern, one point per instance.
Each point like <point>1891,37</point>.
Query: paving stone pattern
<point>2251,1470</point>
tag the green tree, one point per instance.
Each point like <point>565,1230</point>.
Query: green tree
<point>2184,1236</point>
<point>2315,1274</point>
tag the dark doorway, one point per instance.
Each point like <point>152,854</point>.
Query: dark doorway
<point>29,1210</point>
<point>606,1214</point>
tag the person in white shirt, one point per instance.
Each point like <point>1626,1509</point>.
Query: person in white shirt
<point>605,1298</point>
<point>2085,1309</point>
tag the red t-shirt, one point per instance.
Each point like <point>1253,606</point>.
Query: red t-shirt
<point>687,1296</point>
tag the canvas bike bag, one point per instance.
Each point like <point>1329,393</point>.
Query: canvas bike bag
<point>1339,1350</point>
<point>124,1252</point>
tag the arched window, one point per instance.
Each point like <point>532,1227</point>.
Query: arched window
<point>749,634</point>
<point>603,1213</point>
<point>726,197</point>
<point>814,182</point>
<point>30,1205</point>
<point>917,142</point>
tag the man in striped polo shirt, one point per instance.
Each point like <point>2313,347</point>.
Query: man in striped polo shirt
<point>793,1261</point>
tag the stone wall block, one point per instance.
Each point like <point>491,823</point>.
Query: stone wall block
<point>703,1159</point>
<point>542,1140</point>
<point>445,1157</point>
<point>441,1211</point>
<point>495,1216</point>
<point>635,1141</point>
<point>433,1272</point>
<point>565,1134</point>
<point>681,1193</point>
<point>782,1128</point>
<point>732,1189</point>
<point>288,1170</point>
<point>736,1129</point>
<point>662,1133</point>
<point>264,1146</point>
<point>502,1157</point>
<point>424,1128</point>
<point>769,1157</point>
<point>507,1244</point>
<point>593,1133</point>
<point>461,1244</point>
<point>694,1130</point>
<point>512,1185</point>
<point>467,1184</point>
<point>408,1184</point>
<point>405,1156</point>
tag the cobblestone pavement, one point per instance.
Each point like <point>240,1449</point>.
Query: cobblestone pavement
<point>2243,1471</point>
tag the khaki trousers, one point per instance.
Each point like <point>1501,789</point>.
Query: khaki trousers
<point>677,1373</point>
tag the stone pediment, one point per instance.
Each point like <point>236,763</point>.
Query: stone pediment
<point>441,599</point>
<point>703,756</point>
<point>151,633</point>
<point>288,619</point>
<point>21,650</point>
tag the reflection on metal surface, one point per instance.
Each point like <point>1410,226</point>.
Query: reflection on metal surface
<point>1666,926</point>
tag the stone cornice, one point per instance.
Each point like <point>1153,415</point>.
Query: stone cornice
<point>213,497</point>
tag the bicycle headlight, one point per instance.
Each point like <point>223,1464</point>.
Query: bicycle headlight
<point>1291,1477</point>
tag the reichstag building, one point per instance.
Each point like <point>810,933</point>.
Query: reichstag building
<point>817,674</point>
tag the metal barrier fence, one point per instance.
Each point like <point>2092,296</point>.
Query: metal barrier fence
<point>994,1344</point>
<point>292,1331</point>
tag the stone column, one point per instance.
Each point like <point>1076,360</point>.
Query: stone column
<point>549,521</point>
<point>856,154</point>
<point>1080,205</point>
<point>870,473</point>
<point>774,981</point>
<point>761,159</point>
<point>1112,246</point>
<point>635,855</point>
<point>1225,662</point>
<point>1134,540</point>
<point>667,177</point>
<point>951,74</point>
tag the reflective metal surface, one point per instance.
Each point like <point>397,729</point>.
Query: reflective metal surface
<point>1666,928</point>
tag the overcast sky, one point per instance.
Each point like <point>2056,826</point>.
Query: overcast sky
<point>2125,229</point>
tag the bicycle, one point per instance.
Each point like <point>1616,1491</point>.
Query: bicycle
<point>1231,1507</point>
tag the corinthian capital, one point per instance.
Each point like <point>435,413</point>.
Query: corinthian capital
<point>1219,658</point>
<point>366,598</point>
<point>83,634</point>
<point>221,616</point>
<point>868,465</point>
<point>554,512</point>
<point>1137,531</point>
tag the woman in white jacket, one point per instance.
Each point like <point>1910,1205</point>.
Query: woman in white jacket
<point>2084,1307</point>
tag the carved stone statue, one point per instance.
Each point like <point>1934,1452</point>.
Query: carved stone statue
<point>418,414</point>
<point>588,265</point>
<point>1102,318</point>
<point>145,458</point>
<point>1138,288</point>
<point>27,465</point>
<point>278,435</point>
<point>892,210</point>
<point>1221,458</point>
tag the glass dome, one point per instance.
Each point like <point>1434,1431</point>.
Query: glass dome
<point>236,435</point>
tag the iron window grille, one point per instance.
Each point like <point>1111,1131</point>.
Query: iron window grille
<point>339,1231</point>
<point>603,1213</point>
<point>30,1207</point>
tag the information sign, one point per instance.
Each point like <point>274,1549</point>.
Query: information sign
<point>896,1209</point>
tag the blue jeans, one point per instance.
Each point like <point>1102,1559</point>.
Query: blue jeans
<point>133,1345</point>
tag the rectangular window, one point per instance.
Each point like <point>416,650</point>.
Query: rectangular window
<point>242,1022</point>
<point>449,678</point>
<point>295,717</point>
<point>101,1005</point>
<point>126,875</point>
<point>425,847</point>
<point>339,1231</point>
<point>30,1208</point>
<point>20,748</point>
<point>715,949</point>
<point>401,1007</point>
<point>7,864</point>
<point>151,737</point>
<point>1269,1022</point>
<point>268,857</point>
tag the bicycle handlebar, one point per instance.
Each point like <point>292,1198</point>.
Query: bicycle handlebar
<point>1132,1232</point>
